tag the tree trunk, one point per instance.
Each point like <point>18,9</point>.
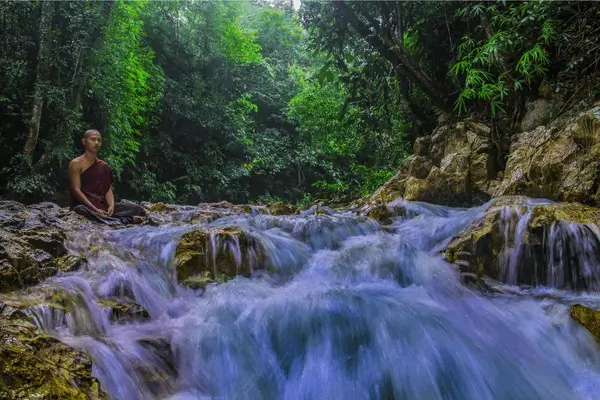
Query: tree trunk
<point>399,58</point>
<point>39,93</point>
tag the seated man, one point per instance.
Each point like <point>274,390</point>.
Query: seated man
<point>91,192</point>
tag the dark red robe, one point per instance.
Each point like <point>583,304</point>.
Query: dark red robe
<point>95,183</point>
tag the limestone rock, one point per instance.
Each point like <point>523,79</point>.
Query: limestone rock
<point>214,254</point>
<point>391,190</point>
<point>282,208</point>
<point>588,318</point>
<point>254,209</point>
<point>418,166</point>
<point>559,161</point>
<point>382,212</point>
<point>538,113</point>
<point>69,262</point>
<point>125,311</point>
<point>36,366</point>
<point>21,264</point>
<point>451,172</point>
<point>160,207</point>
<point>421,146</point>
<point>519,242</point>
<point>416,189</point>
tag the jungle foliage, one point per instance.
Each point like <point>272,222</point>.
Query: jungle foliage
<point>253,100</point>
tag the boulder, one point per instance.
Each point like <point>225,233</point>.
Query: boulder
<point>538,113</point>
<point>520,242</point>
<point>417,166</point>
<point>34,365</point>
<point>22,264</point>
<point>282,208</point>
<point>588,318</point>
<point>451,172</point>
<point>421,146</point>
<point>559,161</point>
<point>216,254</point>
<point>125,311</point>
<point>382,212</point>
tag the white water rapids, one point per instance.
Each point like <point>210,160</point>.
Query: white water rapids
<point>347,310</point>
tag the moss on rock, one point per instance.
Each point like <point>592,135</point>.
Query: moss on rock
<point>70,262</point>
<point>125,311</point>
<point>479,248</point>
<point>588,318</point>
<point>213,254</point>
<point>21,264</point>
<point>282,208</point>
<point>160,207</point>
<point>34,365</point>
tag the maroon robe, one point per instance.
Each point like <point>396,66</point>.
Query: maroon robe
<point>95,183</point>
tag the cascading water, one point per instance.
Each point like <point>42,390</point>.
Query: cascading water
<point>347,310</point>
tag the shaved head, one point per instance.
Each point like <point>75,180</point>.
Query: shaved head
<point>90,132</point>
<point>92,141</point>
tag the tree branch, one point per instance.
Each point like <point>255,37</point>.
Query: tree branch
<point>396,55</point>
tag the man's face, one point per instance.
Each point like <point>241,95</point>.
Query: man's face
<point>93,142</point>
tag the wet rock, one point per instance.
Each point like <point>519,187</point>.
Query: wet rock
<point>160,207</point>
<point>518,242</point>
<point>254,209</point>
<point>383,213</point>
<point>70,262</point>
<point>282,208</point>
<point>59,302</point>
<point>36,366</point>
<point>214,254</point>
<point>451,172</point>
<point>588,318</point>
<point>559,161</point>
<point>21,264</point>
<point>167,214</point>
<point>125,312</point>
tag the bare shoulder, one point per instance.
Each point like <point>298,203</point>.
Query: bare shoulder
<point>76,163</point>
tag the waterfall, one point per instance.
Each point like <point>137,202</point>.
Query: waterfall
<point>334,307</point>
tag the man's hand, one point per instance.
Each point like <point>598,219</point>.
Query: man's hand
<point>101,212</point>
<point>110,211</point>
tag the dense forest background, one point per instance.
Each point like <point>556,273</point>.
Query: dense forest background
<point>255,101</point>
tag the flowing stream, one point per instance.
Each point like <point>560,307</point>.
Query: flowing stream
<point>345,310</point>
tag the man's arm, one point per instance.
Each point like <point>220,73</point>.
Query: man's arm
<point>110,200</point>
<point>75,182</point>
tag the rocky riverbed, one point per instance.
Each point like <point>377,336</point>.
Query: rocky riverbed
<point>65,281</point>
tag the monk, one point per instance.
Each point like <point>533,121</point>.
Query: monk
<point>91,187</point>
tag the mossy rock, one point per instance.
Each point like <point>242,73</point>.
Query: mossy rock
<point>282,208</point>
<point>321,211</point>
<point>124,312</point>
<point>214,254</point>
<point>161,207</point>
<point>22,265</point>
<point>254,208</point>
<point>70,262</point>
<point>34,365</point>
<point>416,189</point>
<point>61,301</point>
<point>480,244</point>
<point>384,212</point>
<point>479,248</point>
<point>570,212</point>
<point>588,318</point>
<point>201,280</point>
